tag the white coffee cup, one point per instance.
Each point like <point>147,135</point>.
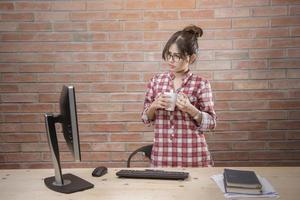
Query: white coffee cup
<point>173,97</point>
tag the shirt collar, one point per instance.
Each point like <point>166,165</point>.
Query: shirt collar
<point>185,78</point>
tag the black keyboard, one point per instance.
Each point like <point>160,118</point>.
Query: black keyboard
<point>152,174</point>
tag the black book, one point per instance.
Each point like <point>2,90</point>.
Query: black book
<point>241,179</point>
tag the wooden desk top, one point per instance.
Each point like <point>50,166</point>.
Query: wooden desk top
<point>29,184</point>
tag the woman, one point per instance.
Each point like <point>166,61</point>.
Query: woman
<point>179,140</point>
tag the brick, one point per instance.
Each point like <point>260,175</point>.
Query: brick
<point>19,157</point>
<point>289,105</point>
<point>293,73</point>
<point>22,118</point>
<point>19,98</point>
<point>206,24</point>
<point>253,44</point>
<point>213,3</point>
<point>294,10</point>
<point>293,125</point>
<point>104,5</point>
<point>92,107</point>
<point>178,4</point>
<point>95,156</point>
<point>229,75</point>
<point>249,95</point>
<point>234,156</point>
<point>239,3</point>
<point>248,145</point>
<point>294,53</point>
<point>126,15</point>
<point>215,44</point>
<point>8,88</point>
<point>65,5</point>
<point>137,4</point>
<point>282,63</point>
<point>125,117</point>
<point>51,16</point>
<point>157,35</point>
<point>35,68</point>
<point>269,11</point>
<point>212,65</point>
<point>248,105</point>
<point>126,137</point>
<point>128,35</point>
<point>32,5</point>
<point>92,117</point>
<point>160,15</point>
<point>69,26</point>
<point>294,115</point>
<point>232,12</point>
<point>37,26</point>
<point>280,43</point>
<point>282,84</point>
<point>8,26</point>
<point>126,57</point>
<point>104,26</point>
<point>36,108</point>
<point>90,56</point>
<point>247,116</point>
<point>108,87</point>
<point>244,23</point>
<point>271,32</point>
<point>295,31</point>
<point>115,147</point>
<point>266,53</point>
<point>196,14</point>
<point>5,148</point>
<point>6,6</point>
<point>110,127</point>
<point>250,85</point>
<point>16,17</point>
<point>143,46</point>
<point>231,54</point>
<point>105,67</point>
<point>249,64</point>
<point>267,74</point>
<point>248,126</point>
<point>286,145</point>
<point>284,2</point>
<point>127,97</point>
<point>222,85</point>
<point>231,34</point>
<point>287,21</point>
<point>141,67</point>
<point>137,26</point>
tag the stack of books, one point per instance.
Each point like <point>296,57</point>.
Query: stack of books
<point>241,181</point>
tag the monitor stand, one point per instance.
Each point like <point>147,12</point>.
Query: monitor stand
<point>71,184</point>
<point>67,183</point>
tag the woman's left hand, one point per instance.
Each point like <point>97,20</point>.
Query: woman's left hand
<point>183,103</point>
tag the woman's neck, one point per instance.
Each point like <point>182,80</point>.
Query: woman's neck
<point>181,74</point>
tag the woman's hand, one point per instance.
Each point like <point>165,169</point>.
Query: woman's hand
<point>183,103</point>
<point>161,102</point>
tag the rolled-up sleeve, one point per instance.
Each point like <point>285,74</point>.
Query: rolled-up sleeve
<point>149,98</point>
<point>205,100</point>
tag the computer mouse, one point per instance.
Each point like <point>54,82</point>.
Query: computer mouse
<point>99,171</point>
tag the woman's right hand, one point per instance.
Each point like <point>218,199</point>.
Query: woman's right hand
<point>161,102</point>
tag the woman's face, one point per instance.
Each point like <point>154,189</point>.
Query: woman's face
<point>176,61</point>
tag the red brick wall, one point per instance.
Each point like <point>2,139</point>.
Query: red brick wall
<point>109,49</point>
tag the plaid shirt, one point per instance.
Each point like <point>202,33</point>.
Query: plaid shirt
<point>179,140</point>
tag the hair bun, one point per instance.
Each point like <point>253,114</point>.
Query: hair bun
<point>195,30</point>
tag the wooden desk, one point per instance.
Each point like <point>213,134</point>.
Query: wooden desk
<point>29,184</point>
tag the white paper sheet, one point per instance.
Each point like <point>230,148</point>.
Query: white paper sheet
<point>267,188</point>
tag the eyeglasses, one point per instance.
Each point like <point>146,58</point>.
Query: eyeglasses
<point>175,57</point>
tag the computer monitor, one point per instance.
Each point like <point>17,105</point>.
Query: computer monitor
<point>67,183</point>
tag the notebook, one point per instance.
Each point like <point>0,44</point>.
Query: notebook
<point>241,179</point>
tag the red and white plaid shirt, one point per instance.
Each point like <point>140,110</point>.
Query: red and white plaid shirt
<point>179,140</point>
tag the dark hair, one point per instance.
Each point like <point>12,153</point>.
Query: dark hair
<point>186,41</point>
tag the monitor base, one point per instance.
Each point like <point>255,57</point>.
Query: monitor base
<point>75,184</point>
